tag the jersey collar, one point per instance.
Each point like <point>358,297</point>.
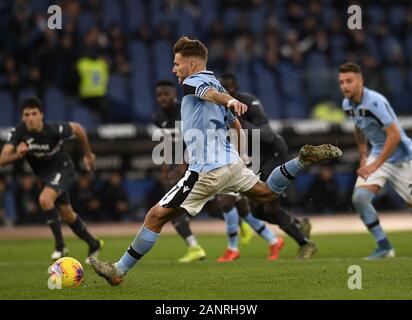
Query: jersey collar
<point>354,104</point>
<point>203,72</point>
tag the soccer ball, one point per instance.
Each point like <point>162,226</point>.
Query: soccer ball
<point>66,271</point>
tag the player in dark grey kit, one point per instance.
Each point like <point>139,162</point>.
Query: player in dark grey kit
<point>273,151</point>
<point>166,118</point>
<point>41,144</point>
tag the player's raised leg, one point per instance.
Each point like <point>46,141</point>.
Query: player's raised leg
<point>282,176</point>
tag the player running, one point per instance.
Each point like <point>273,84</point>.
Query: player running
<point>41,144</point>
<point>214,165</point>
<point>390,158</point>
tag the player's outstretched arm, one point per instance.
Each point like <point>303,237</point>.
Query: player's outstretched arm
<point>226,100</point>
<point>9,154</point>
<point>89,157</point>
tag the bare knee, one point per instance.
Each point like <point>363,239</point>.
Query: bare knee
<point>46,202</point>
<point>361,198</point>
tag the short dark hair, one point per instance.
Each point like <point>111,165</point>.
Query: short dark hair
<point>350,67</point>
<point>190,48</point>
<point>32,103</point>
<point>165,83</point>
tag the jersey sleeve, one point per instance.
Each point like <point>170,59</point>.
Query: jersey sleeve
<point>195,86</point>
<point>63,130</point>
<point>231,117</point>
<point>382,112</point>
<point>14,137</point>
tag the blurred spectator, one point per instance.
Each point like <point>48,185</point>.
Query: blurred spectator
<point>11,80</point>
<point>7,208</point>
<point>94,73</point>
<point>294,15</point>
<point>328,111</point>
<point>295,46</point>
<point>323,194</point>
<point>26,196</point>
<point>114,198</point>
<point>371,71</point>
<point>118,51</point>
<point>309,37</point>
<point>85,200</point>
<point>68,77</point>
<point>2,201</point>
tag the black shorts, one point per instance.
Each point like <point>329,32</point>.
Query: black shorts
<point>175,197</point>
<point>60,180</point>
<point>63,198</point>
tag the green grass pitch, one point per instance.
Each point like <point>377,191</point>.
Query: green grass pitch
<point>24,263</point>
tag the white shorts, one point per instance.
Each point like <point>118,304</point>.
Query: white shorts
<point>194,190</point>
<point>400,175</point>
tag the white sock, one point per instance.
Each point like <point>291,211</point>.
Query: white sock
<point>191,241</point>
<point>273,241</point>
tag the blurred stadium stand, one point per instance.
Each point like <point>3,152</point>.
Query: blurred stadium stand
<point>285,52</point>
<point>306,41</point>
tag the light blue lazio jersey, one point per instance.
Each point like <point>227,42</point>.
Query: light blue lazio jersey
<point>204,125</point>
<point>372,115</point>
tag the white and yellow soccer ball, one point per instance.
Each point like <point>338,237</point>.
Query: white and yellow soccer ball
<point>67,272</point>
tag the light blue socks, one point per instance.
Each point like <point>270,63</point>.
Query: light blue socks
<point>282,176</point>
<point>232,224</point>
<point>260,228</point>
<point>362,201</point>
<point>142,244</point>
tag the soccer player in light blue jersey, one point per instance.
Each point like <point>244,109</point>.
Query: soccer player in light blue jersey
<point>390,158</point>
<point>214,164</point>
